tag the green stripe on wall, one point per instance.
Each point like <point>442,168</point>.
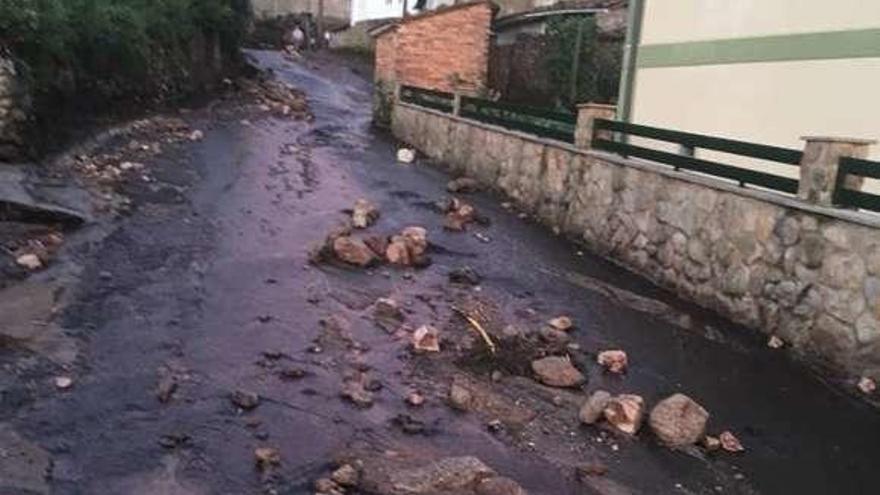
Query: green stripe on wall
<point>808,46</point>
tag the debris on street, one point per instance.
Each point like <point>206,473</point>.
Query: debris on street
<point>775,342</point>
<point>465,275</point>
<point>614,361</point>
<point>364,214</point>
<point>678,421</point>
<point>245,400</point>
<point>354,251</point>
<point>867,385</point>
<point>267,457</point>
<point>63,382</point>
<point>30,261</point>
<point>406,155</point>
<point>625,413</point>
<point>426,339</point>
<point>730,443</point>
<point>593,409</point>
<point>458,215</point>
<point>557,371</point>
<point>463,185</point>
<point>562,323</point>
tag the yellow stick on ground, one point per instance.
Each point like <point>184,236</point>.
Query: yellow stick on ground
<point>479,328</point>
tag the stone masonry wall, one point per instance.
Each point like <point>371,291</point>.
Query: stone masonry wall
<point>807,274</point>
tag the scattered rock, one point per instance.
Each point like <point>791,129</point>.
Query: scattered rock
<point>364,214</point>
<point>625,412</point>
<point>30,261</point>
<point>678,421</point>
<point>499,485</point>
<point>867,385</point>
<point>245,400</point>
<point>775,342</point>
<point>426,339</point>
<point>416,240</point>
<point>63,382</point>
<point>459,216</point>
<point>409,425</point>
<point>353,251</point>
<point>326,486</point>
<point>397,253</point>
<point>557,371</point>
<point>409,248</point>
<point>614,361</point>
<point>554,337</point>
<point>465,275</point>
<point>267,457</point>
<point>387,314</point>
<point>495,425</point>
<point>594,407</point>
<point>463,185</point>
<point>346,475</point>
<point>406,155</point>
<point>378,244</point>
<point>562,323</point>
<point>196,135</point>
<point>730,443</point>
<point>354,392</point>
<point>711,443</point>
<point>460,397</point>
<point>415,399</point>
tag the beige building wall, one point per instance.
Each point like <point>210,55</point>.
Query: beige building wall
<point>767,71</point>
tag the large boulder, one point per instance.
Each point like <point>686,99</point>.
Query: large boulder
<point>557,371</point>
<point>678,421</point>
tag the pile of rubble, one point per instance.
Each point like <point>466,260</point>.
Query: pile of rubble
<point>277,97</point>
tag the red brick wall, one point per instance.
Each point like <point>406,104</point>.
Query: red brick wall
<point>386,53</point>
<point>445,49</point>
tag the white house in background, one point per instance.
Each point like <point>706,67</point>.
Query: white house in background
<point>367,10</point>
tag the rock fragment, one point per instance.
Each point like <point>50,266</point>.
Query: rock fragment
<point>354,392</point>
<point>678,421</point>
<point>346,475</point>
<point>730,443</point>
<point>867,385</point>
<point>245,400</point>
<point>465,275</point>
<point>63,382</point>
<point>463,185</point>
<point>563,323</point>
<point>615,361</point>
<point>594,407</point>
<point>499,485</point>
<point>625,412</point>
<point>460,397</point>
<point>406,155</point>
<point>557,371</point>
<point>364,214</point>
<point>30,261</point>
<point>775,342</point>
<point>426,339</point>
<point>353,251</point>
<point>267,457</point>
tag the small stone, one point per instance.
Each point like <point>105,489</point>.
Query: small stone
<point>711,443</point>
<point>245,400</point>
<point>730,443</point>
<point>397,252</point>
<point>495,425</point>
<point>459,397</point>
<point>563,323</point>
<point>554,336</point>
<point>556,371</point>
<point>346,475</point>
<point>415,399</point>
<point>775,342</point>
<point>326,486</point>
<point>364,214</point>
<point>594,407</point>
<point>867,385</point>
<point>30,261</point>
<point>614,361</point>
<point>625,413</point>
<point>196,135</point>
<point>497,376</point>
<point>267,457</point>
<point>416,240</point>
<point>166,387</point>
<point>406,155</point>
<point>426,339</point>
<point>63,382</point>
<point>678,421</point>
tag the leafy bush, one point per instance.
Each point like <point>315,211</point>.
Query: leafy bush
<point>116,48</point>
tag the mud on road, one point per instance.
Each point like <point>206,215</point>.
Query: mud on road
<point>195,330</point>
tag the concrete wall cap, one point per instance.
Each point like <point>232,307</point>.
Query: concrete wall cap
<point>836,139</point>
<point>597,105</point>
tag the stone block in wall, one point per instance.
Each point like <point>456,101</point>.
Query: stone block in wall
<point>528,189</point>
<point>554,185</point>
<point>509,164</point>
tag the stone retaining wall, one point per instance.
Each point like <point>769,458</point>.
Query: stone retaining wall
<point>806,273</point>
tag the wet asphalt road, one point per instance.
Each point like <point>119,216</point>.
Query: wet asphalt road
<point>200,286</point>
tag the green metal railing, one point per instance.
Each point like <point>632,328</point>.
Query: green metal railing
<point>438,100</point>
<point>688,143</point>
<point>542,122</point>
<point>856,199</point>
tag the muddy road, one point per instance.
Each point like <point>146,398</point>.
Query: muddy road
<point>206,289</point>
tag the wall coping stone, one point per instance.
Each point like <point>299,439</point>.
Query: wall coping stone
<point>861,218</point>
<point>838,139</point>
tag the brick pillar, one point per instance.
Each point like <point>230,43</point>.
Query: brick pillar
<point>819,166</point>
<point>587,113</point>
